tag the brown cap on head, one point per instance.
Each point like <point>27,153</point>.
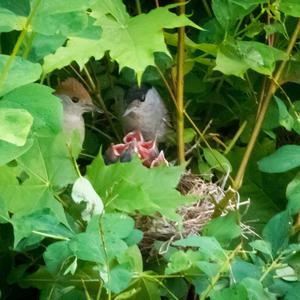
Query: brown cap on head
<point>75,90</point>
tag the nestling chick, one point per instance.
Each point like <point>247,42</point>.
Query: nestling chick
<point>134,144</point>
<point>76,101</point>
<point>145,111</point>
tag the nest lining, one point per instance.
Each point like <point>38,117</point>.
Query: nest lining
<point>194,216</point>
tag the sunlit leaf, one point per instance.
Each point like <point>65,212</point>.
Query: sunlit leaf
<point>15,125</point>
<point>44,107</point>
<point>21,72</point>
<point>236,57</point>
<point>135,38</point>
<point>290,7</point>
<point>38,175</point>
<point>131,187</point>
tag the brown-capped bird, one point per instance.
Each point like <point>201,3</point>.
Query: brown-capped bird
<point>76,101</point>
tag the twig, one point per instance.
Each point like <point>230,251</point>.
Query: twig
<point>180,87</point>
<point>264,107</point>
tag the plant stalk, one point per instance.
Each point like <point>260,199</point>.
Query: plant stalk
<point>18,44</point>
<point>180,88</point>
<point>264,107</point>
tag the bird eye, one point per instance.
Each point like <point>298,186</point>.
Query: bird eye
<point>75,99</point>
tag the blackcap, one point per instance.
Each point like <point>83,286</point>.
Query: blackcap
<point>145,111</point>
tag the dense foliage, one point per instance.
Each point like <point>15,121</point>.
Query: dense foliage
<point>241,69</point>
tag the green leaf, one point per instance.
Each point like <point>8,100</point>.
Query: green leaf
<point>39,174</point>
<point>295,110</point>
<point>15,125</point>
<point>4,216</point>
<point>10,21</point>
<point>242,270</point>
<point>235,292</point>
<point>290,7</point>
<point>135,38</point>
<point>129,294</point>
<point>207,245</point>
<point>114,229</point>
<point>58,17</point>
<point>224,228</point>
<point>276,232</point>
<point>217,160</point>
<point>120,278</point>
<point>8,151</point>
<point>131,187</point>
<point>37,99</point>
<point>189,135</point>
<point>19,7</point>
<point>291,71</point>
<point>283,159</point>
<point>285,119</point>
<point>292,194</point>
<point>41,45</point>
<point>262,246</point>
<point>31,229</point>
<point>146,288</point>
<point>236,57</point>
<point>256,290</point>
<point>208,268</point>
<point>21,72</point>
<point>179,261</point>
<point>56,255</point>
<point>228,12</point>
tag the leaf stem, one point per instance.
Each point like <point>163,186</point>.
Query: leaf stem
<point>272,266</point>
<point>18,44</point>
<point>264,107</point>
<point>29,45</point>
<point>180,87</point>
<point>222,269</point>
<point>138,7</point>
<point>235,138</point>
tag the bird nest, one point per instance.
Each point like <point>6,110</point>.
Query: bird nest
<point>194,216</point>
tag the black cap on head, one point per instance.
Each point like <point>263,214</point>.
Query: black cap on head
<point>137,93</point>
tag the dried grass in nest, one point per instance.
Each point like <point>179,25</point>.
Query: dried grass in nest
<point>194,216</point>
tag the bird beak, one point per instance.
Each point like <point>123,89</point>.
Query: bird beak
<point>132,107</point>
<point>92,107</point>
<point>129,110</point>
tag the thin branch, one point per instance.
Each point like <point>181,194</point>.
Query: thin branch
<point>180,87</point>
<point>264,107</point>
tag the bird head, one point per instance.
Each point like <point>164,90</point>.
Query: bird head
<point>145,111</point>
<point>135,99</point>
<point>75,97</point>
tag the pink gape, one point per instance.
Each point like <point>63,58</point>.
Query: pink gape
<point>134,142</point>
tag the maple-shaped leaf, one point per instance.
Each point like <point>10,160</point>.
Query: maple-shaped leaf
<point>38,176</point>
<point>131,41</point>
<point>131,187</point>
